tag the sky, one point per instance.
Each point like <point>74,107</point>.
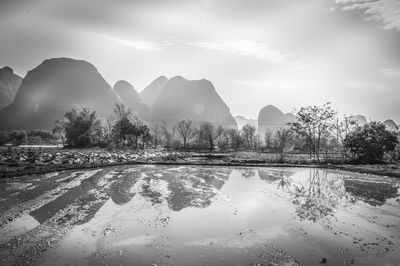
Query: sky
<point>288,53</point>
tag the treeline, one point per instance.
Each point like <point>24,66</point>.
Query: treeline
<point>318,132</point>
<point>18,137</point>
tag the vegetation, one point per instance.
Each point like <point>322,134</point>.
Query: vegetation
<point>314,124</point>
<point>318,132</point>
<point>18,137</point>
<point>82,128</point>
<point>370,142</point>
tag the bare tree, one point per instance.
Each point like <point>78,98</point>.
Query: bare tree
<point>283,139</point>
<point>156,131</point>
<point>219,135</point>
<point>207,135</point>
<point>59,130</point>
<point>315,122</point>
<point>121,111</point>
<point>234,137</point>
<point>249,133</point>
<point>168,134</point>
<point>268,139</point>
<point>185,132</point>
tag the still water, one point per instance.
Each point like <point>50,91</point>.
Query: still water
<point>160,215</point>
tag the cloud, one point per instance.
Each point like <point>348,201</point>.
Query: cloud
<point>140,45</point>
<point>366,86</point>
<point>393,73</point>
<point>385,11</point>
<point>244,48</point>
<point>279,84</point>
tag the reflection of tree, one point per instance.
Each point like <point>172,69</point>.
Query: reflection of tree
<point>373,193</point>
<point>321,193</point>
<point>321,197</point>
<point>316,196</point>
<point>248,173</point>
<point>121,189</point>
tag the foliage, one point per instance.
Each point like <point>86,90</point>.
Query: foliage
<point>370,142</point>
<point>129,130</point>
<point>81,128</point>
<point>314,123</point>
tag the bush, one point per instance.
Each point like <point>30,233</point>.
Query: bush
<point>370,142</point>
<point>81,128</point>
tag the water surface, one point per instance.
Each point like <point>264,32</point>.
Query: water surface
<point>160,215</point>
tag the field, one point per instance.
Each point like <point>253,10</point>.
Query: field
<point>24,161</point>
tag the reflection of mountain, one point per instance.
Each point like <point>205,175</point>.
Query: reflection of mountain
<point>195,187</point>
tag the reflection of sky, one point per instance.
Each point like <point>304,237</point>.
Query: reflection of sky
<point>17,227</point>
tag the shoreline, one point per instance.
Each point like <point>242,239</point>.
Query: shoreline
<point>362,169</point>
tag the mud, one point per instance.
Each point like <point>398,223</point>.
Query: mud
<point>197,215</point>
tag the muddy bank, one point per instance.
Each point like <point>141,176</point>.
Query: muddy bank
<point>28,162</point>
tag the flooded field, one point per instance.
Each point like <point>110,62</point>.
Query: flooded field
<point>160,215</point>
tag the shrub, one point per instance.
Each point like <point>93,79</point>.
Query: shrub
<point>370,142</point>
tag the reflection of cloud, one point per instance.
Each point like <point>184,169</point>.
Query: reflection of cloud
<point>393,73</point>
<point>385,11</point>
<point>244,47</point>
<point>243,239</point>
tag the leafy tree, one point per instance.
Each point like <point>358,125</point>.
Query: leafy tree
<point>314,123</point>
<point>370,142</point>
<point>80,127</point>
<point>122,130</point>
<point>17,137</point>
<point>129,130</point>
<point>4,137</point>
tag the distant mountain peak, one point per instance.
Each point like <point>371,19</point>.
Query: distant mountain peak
<point>130,97</point>
<point>8,69</point>
<point>9,85</point>
<point>152,91</point>
<point>391,125</point>
<point>56,86</point>
<point>196,100</point>
<point>272,118</point>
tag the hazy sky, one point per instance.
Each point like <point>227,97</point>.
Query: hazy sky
<point>287,53</point>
